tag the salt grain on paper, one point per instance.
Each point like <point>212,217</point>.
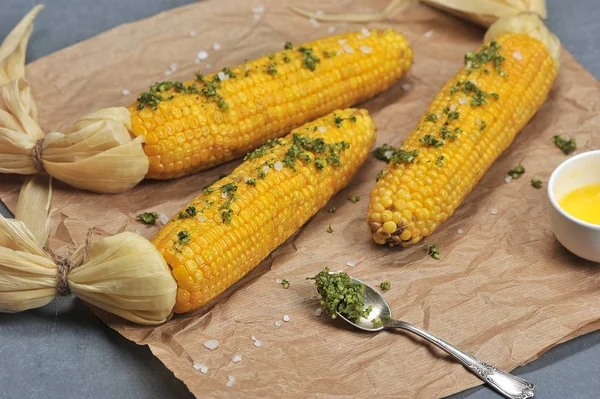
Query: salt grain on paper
<point>428,34</point>
<point>314,22</point>
<point>256,17</point>
<point>211,344</point>
<point>197,61</point>
<point>230,381</point>
<point>207,66</point>
<point>200,367</point>
<point>173,67</point>
<point>508,179</point>
<point>366,49</point>
<point>322,129</point>
<point>192,33</point>
<point>216,46</point>
<point>253,338</point>
<point>348,49</point>
<point>237,358</point>
<point>126,92</point>
<point>460,231</point>
<point>405,87</point>
<point>278,280</point>
<point>365,32</point>
<point>494,211</point>
<point>319,13</point>
<point>257,343</point>
<point>350,263</point>
<point>163,218</point>
<point>278,165</point>
<point>286,318</point>
<point>258,10</point>
<point>202,55</point>
<point>168,73</point>
<point>331,29</point>
<point>277,323</point>
<point>517,55</point>
<point>318,312</point>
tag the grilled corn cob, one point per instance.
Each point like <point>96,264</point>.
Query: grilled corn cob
<point>234,224</point>
<point>194,125</point>
<point>467,126</point>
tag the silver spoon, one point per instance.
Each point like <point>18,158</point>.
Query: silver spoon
<point>507,384</point>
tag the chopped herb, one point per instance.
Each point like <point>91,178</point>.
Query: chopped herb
<point>428,139</point>
<point>486,54</point>
<point>286,59</point>
<point>148,217</point>
<point>261,174</point>
<point>190,212</point>
<point>380,175</point>
<point>337,120</point>
<point>536,183</point>
<point>404,156</point>
<point>208,190</point>
<point>285,283</point>
<point>251,182</point>
<point>288,46</point>
<point>183,237</point>
<point>262,150</point>
<point>453,115</point>
<point>386,285</point>
<point>331,210</point>
<point>483,125</point>
<point>223,175</point>
<point>458,130</point>
<point>329,54</point>
<point>339,294</point>
<point>354,199</point>
<point>352,118</point>
<point>319,163</point>
<point>309,60</point>
<point>271,56</point>
<point>271,69</point>
<point>431,117</point>
<point>377,322</point>
<point>440,161</point>
<point>229,72</point>
<point>226,216</point>
<point>446,110</point>
<point>432,251</point>
<point>329,229</point>
<point>516,172</point>
<point>229,188</point>
<point>447,134</point>
<point>566,146</point>
<point>385,152</point>
<point>478,96</point>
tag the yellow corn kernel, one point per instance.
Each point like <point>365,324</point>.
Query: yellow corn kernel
<point>209,248</point>
<point>430,188</point>
<point>259,104</point>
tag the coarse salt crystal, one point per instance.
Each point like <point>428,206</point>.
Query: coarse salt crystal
<point>508,179</point>
<point>388,154</point>
<point>365,32</point>
<point>246,68</point>
<point>478,121</point>
<point>202,218</point>
<point>224,195</point>
<point>230,381</point>
<point>360,37</point>
<point>216,46</point>
<point>331,29</point>
<point>163,218</point>
<point>202,55</point>
<point>222,76</point>
<point>322,129</point>
<point>517,55</point>
<point>366,49</point>
<point>211,344</point>
<point>348,49</point>
<point>247,179</point>
<point>342,41</point>
<point>277,323</point>
<point>126,92</point>
<point>318,312</point>
<point>192,33</point>
<point>351,263</point>
<point>173,67</point>
<point>319,12</point>
<point>257,343</point>
<point>462,100</point>
<point>137,231</point>
<point>405,87</point>
<point>265,169</point>
<point>428,34</point>
<point>473,81</point>
<point>460,231</point>
<point>286,318</point>
<point>237,358</point>
<point>314,22</point>
<point>201,367</point>
<point>494,211</point>
<point>453,107</point>
<point>278,281</point>
<point>258,10</point>
<point>168,73</point>
<point>256,17</point>
<point>438,115</point>
<point>253,338</point>
<point>278,165</point>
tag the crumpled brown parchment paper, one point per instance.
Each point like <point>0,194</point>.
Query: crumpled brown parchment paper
<point>504,290</point>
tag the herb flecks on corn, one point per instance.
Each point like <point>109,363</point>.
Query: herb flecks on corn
<point>191,126</point>
<point>215,251</point>
<point>477,115</point>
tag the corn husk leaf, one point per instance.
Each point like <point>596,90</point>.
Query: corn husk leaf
<point>481,12</point>
<point>98,154</point>
<point>33,206</point>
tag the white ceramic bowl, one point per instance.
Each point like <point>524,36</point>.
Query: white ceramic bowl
<point>581,238</point>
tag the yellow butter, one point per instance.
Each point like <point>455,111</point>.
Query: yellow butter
<point>583,203</point>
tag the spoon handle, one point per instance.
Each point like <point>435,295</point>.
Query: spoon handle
<point>507,384</point>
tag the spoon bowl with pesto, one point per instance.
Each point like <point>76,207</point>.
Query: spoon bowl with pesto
<point>363,307</point>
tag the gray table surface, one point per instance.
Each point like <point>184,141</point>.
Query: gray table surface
<point>64,351</point>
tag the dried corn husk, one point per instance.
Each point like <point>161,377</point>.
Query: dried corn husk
<point>98,154</point>
<point>481,12</point>
<point>123,274</point>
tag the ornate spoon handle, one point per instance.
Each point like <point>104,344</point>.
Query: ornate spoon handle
<point>507,384</point>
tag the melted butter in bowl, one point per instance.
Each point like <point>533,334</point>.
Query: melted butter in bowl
<point>574,196</point>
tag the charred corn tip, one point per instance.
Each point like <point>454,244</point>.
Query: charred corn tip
<point>234,224</point>
<point>195,125</point>
<point>467,126</point>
